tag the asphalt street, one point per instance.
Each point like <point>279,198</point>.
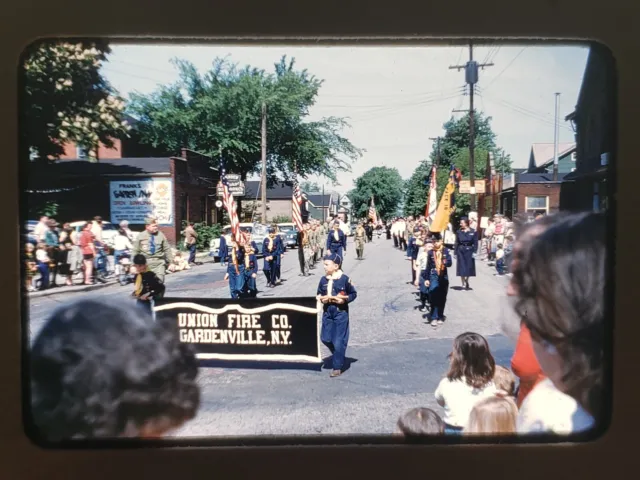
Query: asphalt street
<point>396,359</point>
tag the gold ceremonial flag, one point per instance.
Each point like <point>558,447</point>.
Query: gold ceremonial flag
<point>446,206</point>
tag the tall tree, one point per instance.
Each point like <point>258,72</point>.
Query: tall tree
<point>310,187</point>
<point>386,186</point>
<point>454,150</point>
<point>67,99</point>
<point>219,113</point>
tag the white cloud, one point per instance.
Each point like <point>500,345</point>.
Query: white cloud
<point>397,97</point>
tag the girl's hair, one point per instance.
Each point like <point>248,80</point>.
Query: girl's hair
<point>560,283</point>
<point>493,416</point>
<point>504,380</point>
<point>471,358</point>
<point>420,421</point>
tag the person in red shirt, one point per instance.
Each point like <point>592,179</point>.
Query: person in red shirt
<point>524,365</point>
<point>88,251</point>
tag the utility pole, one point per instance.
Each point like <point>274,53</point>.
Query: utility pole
<point>471,77</point>
<point>324,217</point>
<point>263,182</point>
<point>555,140</point>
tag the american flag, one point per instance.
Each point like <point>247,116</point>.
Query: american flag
<point>372,211</point>
<point>296,202</point>
<point>229,203</point>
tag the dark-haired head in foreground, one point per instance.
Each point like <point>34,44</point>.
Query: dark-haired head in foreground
<point>419,422</point>
<point>103,370</point>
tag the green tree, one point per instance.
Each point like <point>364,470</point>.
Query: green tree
<point>68,100</point>
<point>310,187</point>
<point>386,186</point>
<point>219,113</point>
<point>454,150</point>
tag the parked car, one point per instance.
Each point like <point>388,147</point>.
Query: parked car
<point>257,231</point>
<point>289,234</point>
<point>109,231</point>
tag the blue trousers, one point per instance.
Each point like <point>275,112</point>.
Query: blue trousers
<point>337,250</point>
<point>192,253</point>
<point>501,268</point>
<point>270,270</point>
<point>335,334</point>
<point>236,283</point>
<point>250,285</point>
<point>43,269</point>
<point>438,289</point>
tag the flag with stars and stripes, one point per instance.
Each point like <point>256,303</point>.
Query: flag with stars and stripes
<point>229,203</point>
<point>296,202</point>
<point>373,215</point>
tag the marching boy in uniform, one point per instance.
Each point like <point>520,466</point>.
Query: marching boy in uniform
<point>235,269</point>
<point>250,270</point>
<point>335,292</point>
<point>148,286</point>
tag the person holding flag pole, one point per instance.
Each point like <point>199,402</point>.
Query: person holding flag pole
<point>235,254</point>
<point>435,277</point>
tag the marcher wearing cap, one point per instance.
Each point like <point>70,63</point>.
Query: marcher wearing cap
<point>270,251</point>
<point>438,261</point>
<point>154,246</point>
<point>335,292</point>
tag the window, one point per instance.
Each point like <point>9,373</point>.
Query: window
<point>81,152</point>
<point>184,208</point>
<point>203,210</point>
<point>538,204</point>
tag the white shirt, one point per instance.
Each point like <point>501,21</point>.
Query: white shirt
<point>41,256</point>
<point>122,242</point>
<point>547,410</point>
<point>421,260</point>
<point>40,231</point>
<point>460,398</point>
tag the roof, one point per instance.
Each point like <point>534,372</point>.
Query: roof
<point>542,153</point>
<point>538,177</point>
<point>115,166</point>
<point>276,192</point>
<point>316,199</point>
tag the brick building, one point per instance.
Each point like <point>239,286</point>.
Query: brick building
<point>531,193</point>
<point>175,189</point>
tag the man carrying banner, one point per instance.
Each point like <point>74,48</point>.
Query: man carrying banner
<point>335,292</point>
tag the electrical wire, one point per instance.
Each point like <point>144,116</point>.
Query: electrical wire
<point>505,68</point>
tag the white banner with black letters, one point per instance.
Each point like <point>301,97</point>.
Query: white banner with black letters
<point>263,329</point>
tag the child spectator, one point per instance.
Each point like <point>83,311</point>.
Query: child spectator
<point>500,263</point>
<point>505,381</point>
<point>103,370</point>
<point>30,265</point>
<point>419,422</point>
<point>493,416</point>
<point>42,262</point>
<point>469,380</point>
<point>148,286</point>
<point>335,292</point>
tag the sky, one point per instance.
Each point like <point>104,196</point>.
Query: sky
<point>396,98</point>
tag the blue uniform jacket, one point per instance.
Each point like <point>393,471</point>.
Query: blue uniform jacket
<point>341,286</point>
<point>223,250</point>
<point>265,248</point>
<point>430,272</point>
<point>333,244</point>
<point>240,255</point>
<point>253,264</point>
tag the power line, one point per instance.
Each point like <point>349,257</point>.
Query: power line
<point>396,111</point>
<point>505,68</point>
<point>546,116</point>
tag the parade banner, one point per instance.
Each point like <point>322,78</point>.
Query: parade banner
<point>135,200</point>
<point>262,329</point>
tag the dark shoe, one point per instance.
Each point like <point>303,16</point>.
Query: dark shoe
<point>335,373</point>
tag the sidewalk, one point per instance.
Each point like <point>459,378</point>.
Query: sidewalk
<point>61,287</point>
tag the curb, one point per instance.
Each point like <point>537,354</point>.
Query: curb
<point>60,289</point>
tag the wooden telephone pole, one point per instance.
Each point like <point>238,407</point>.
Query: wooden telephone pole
<point>471,77</point>
<point>437,140</point>
<point>263,181</point>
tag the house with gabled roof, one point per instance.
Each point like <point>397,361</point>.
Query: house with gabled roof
<point>542,156</point>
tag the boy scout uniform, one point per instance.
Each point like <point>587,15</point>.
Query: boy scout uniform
<point>157,251</point>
